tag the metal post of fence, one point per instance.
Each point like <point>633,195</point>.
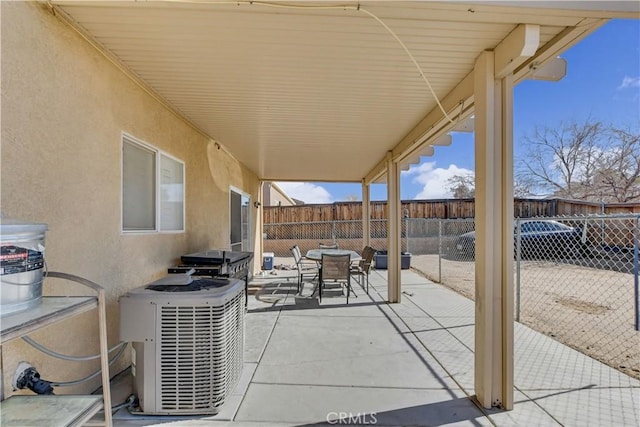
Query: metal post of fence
<point>406,228</point>
<point>518,257</point>
<point>333,232</point>
<point>440,251</point>
<point>636,272</point>
<point>603,226</point>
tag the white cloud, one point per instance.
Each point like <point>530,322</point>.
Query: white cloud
<point>629,82</point>
<point>434,180</point>
<point>307,192</point>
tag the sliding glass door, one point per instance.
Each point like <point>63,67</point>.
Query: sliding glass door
<point>240,217</point>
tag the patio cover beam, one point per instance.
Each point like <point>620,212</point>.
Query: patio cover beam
<point>510,54</point>
<point>433,125</point>
<point>516,48</point>
<point>459,102</point>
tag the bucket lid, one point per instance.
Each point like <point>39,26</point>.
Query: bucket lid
<point>13,226</point>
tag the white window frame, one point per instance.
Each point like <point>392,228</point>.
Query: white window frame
<point>128,138</point>
<point>249,219</point>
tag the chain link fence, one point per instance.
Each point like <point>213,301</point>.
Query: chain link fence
<point>577,281</point>
<point>279,238</point>
<point>576,278</point>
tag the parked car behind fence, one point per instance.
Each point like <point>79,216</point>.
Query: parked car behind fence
<point>538,239</point>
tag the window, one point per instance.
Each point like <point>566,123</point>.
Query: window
<point>171,194</point>
<point>152,189</point>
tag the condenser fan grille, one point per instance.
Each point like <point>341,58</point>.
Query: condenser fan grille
<point>200,354</point>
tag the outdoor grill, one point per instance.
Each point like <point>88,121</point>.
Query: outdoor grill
<point>217,263</point>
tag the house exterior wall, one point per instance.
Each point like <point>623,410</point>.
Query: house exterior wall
<point>274,196</point>
<point>64,108</point>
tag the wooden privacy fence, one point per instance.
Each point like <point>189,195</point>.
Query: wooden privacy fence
<point>442,209</point>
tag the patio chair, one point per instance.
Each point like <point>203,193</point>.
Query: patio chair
<point>304,268</point>
<point>361,271</point>
<point>328,246</point>
<point>337,269</point>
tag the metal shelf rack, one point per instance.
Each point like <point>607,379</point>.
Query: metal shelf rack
<point>58,410</point>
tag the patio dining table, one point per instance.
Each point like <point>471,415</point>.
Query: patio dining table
<point>316,254</point>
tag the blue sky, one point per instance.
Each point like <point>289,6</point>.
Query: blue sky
<point>602,84</point>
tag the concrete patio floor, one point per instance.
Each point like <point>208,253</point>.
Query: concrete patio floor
<point>398,364</point>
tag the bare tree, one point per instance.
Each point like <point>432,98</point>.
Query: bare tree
<point>618,175</point>
<point>522,189</point>
<point>586,161</point>
<point>462,186</point>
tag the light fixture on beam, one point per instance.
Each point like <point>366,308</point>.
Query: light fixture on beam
<point>552,71</point>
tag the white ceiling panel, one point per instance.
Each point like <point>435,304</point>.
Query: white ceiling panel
<point>305,93</point>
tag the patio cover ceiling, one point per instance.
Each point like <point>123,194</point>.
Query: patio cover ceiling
<point>306,93</point>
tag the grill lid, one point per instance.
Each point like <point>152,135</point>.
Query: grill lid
<point>216,257</point>
<point>195,285</point>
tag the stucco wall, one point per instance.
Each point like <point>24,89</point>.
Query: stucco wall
<point>277,199</point>
<point>64,108</point>
<point>273,196</point>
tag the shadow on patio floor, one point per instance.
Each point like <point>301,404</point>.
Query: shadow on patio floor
<point>432,414</point>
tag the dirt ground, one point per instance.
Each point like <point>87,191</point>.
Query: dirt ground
<point>585,308</point>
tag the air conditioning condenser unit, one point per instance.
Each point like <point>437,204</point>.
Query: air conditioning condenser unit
<point>187,337</point>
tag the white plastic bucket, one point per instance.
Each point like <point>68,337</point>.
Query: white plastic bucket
<point>21,265</point>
